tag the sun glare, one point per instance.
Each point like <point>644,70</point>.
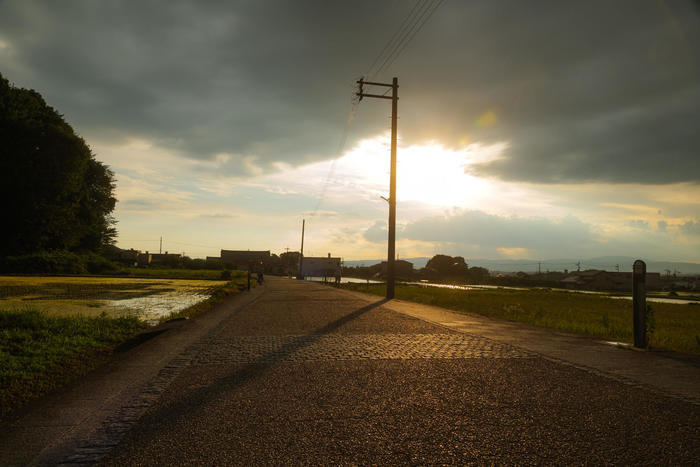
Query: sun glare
<point>434,175</point>
<point>428,173</point>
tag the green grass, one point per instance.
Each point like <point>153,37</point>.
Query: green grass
<point>39,352</point>
<point>676,327</point>
<point>43,350</point>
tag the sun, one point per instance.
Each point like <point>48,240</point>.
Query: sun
<point>435,175</point>
<point>426,173</point>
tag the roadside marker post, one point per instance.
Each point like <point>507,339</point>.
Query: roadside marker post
<point>639,303</point>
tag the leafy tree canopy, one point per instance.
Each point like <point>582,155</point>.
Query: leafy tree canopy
<point>56,195</point>
<point>446,266</point>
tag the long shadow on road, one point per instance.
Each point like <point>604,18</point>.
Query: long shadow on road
<point>190,402</point>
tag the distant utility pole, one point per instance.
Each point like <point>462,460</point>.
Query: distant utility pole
<point>301,255</point>
<point>160,250</point>
<point>390,276</point>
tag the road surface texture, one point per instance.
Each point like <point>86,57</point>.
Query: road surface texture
<point>301,373</point>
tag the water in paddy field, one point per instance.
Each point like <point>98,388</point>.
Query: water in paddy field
<point>153,307</point>
<point>148,299</point>
<point>344,280</point>
<point>677,301</point>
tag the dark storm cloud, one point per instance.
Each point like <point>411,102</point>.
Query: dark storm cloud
<point>254,78</point>
<point>377,232</point>
<point>584,91</point>
<point>691,228</point>
<point>487,230</point>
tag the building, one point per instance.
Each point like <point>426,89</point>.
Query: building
<point>245,259</point>
<point>143,259</point>
<point>130,256</point>
<point>164,259</point>
<point>320,266</point>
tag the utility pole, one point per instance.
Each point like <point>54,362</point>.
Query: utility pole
<point>160,250</point>
<point>391,254</point>
<point>301,255</point>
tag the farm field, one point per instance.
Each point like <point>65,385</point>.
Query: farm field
<point>146,299</point>
<point>54,329</point>
<point>673,326</point>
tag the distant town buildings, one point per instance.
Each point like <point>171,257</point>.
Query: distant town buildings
<point>245,259</point>
<point>326,267</point>
<point>165,258</point>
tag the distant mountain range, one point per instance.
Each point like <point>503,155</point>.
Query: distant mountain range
<point>606,263</point>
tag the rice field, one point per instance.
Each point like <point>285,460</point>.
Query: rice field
<point>673,326</point>
<point>146,299</point>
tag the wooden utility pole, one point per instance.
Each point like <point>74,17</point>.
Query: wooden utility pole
<point>391,255</point>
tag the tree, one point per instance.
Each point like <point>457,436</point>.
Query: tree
<point>56,195</point>
<point>443,266</point>
<point>478,274</point>
<point>290,261</point>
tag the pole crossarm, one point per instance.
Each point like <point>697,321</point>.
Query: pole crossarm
<point>388,85</point>
<point>394,97</point>
<point>378,96</point>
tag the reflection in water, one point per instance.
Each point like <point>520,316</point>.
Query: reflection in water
<point>344,280</point>
<point>153,307</point>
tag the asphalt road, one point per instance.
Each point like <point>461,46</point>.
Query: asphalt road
<point>309,375</point>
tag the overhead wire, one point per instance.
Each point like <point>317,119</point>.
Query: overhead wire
<point>419,14</point>
<point>370,71</point>
<point>338,154</point>
<point>399,44</point>
<point>417,29</point>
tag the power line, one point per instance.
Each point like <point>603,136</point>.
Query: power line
<point>407,31</point>
<point>419,14</point>
<point>339,150</point>
<point>406,20</point>
<point>410,34</point>
<point>404,32</point>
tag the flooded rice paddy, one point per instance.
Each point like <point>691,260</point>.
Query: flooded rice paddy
<point>147,299</point>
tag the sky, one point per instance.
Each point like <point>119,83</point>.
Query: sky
<point>530,130</point>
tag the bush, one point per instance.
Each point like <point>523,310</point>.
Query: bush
<point>96,264</point>
<point>56,262</point>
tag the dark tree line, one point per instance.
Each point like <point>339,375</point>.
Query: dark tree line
<point>55,195</point>
<point>440,268</point>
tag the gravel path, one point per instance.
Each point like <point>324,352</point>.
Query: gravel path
<point>308,375</point>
